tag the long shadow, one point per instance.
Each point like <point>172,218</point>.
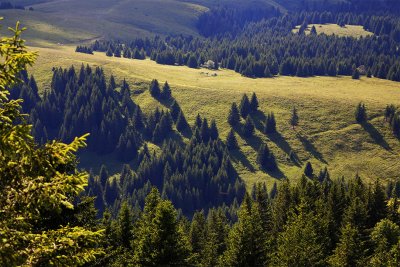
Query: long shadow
<point>166,102</point>
<point>259,119</point>
<point>277,174</point>
<point>311,148</point>
<point>376,135</point>
<point>280,141</point>
<point>238,156</point>
<point>187,133</point>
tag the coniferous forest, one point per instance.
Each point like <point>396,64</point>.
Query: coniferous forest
<point>178,200</point>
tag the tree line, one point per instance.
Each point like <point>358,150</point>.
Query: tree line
<point>268,47</point>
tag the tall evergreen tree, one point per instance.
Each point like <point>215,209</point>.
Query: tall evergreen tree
<point>231,141</point>
<point>294,119</point>
<point>166,91</point>
<point>160,239</point>
<point>361,113</point>
<point>155,89</point>
<point>245,107</point>
<point>308,170</point>
<point>234,116</point>
<point>254,103</point>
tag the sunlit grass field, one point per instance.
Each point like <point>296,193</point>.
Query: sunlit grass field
<point>327,134</point>
<point>355,31</point>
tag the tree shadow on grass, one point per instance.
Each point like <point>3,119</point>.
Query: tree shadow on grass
<point>311,148</point>
<point>375,135</point>
<point>277,174</point>
<point>238,156</point>
<point>259,119</point>
<point>166,102</point>
<point>280,141</point>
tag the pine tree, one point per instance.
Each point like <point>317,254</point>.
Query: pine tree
<point>254,103</point>
<point>125,226</point>
<point>175,109</point>
<point>313,30</point>
<point>192,62</point>
<point>155,89</point>
<point>294,119</point>
<point>181,123</point>
<point>308,170</point>
<point>267,73</point>
<point>246,245</point>
<point>301,243</point>
<point>166,91</point>
<point>39,185</point>
<point>356,74</point>
<point>234,116</point>
<point>361,113</point>
<point>245,107</point>
<point>214,130</point>
<point>263,156</point>
<point>248,127</point>
<point>231,141</point>
<point>197,234</point>
<point>350,249</point>
<point>160,239</point>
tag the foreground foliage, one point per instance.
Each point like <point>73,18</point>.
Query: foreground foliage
<point>38,185</point>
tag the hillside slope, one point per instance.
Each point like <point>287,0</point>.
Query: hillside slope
<point>327,135</point>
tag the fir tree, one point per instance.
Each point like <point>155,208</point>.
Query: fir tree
<point>294,119</point>
<point>245,107</point>
<point>181,123</point>
<point>231,141</point>
<point>160,239</point>
<point>254,103</point>
<point>361,113</point>
<point>214,130</point>
<point>308,170</point>
<point>234,116</point>
<point>175,109</point>
<point>155,89</point>
<point>166,91</point>
<point>356,74</point>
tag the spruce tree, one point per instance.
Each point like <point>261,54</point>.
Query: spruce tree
<point>175,109</point>
<point>155,89</point>
<point>214,130</point>
<point>181,123</point>
<point>245,107</point>
<point>166,91</point>
<point>263,155</point>
<point>231,141</point>
<point>356,74</point>
<point>125,226</point>
<point>254,103</point>
<point>350,249</point>
<point>246,244</point>
<point>308,170</point>
<point>234,116</point>
<point>160,239</point>
<point>294,118</point>
<point>361,113</point>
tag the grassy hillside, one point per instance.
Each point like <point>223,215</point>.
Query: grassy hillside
<point>77,21</point>
<point>355,31</point>
<point>327,135</point>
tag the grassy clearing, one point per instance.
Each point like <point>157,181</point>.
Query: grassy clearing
<point>355,31</point>
<point>327,135</point>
